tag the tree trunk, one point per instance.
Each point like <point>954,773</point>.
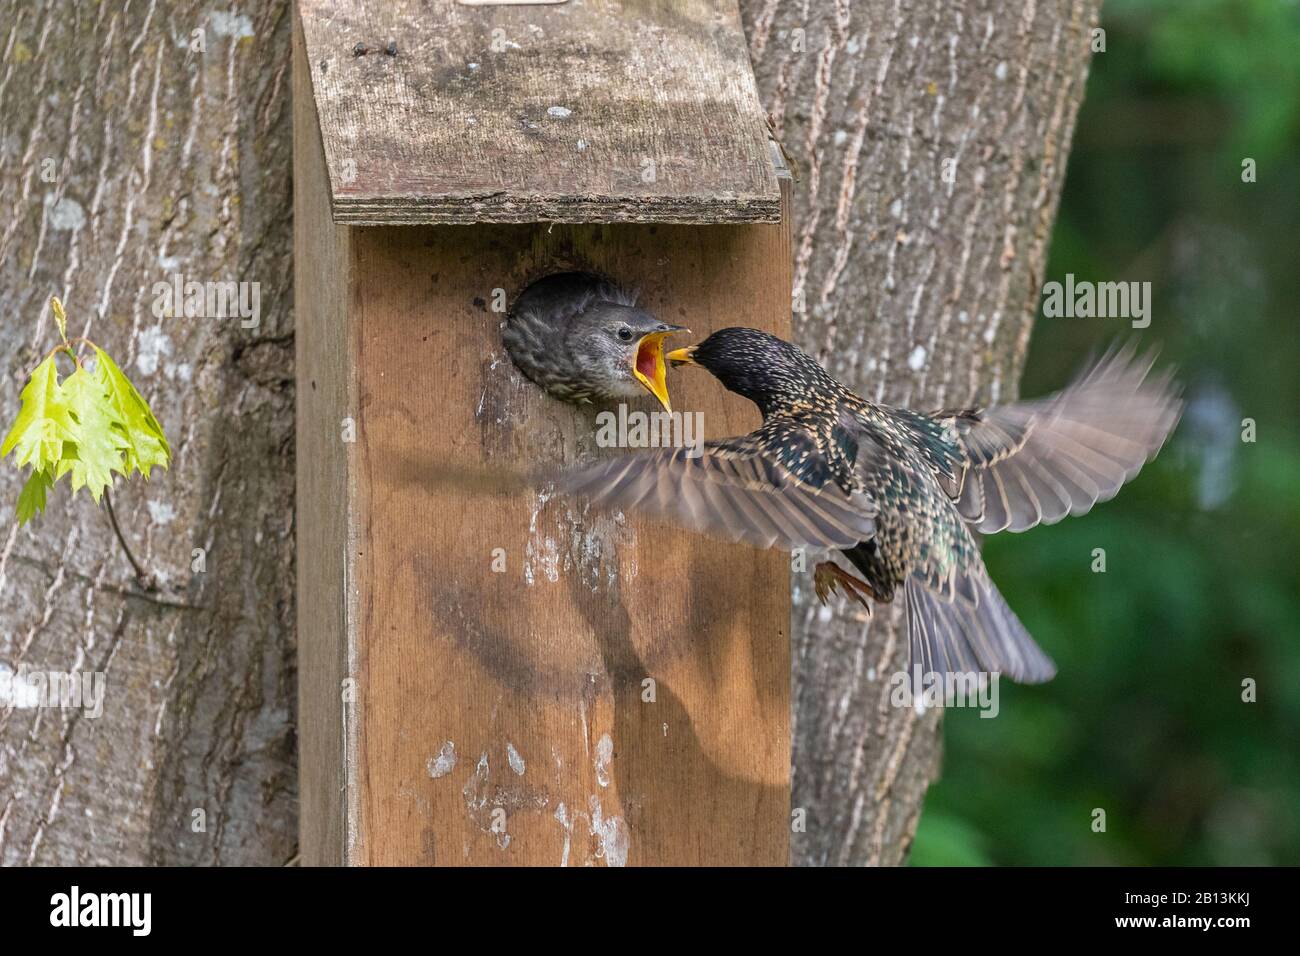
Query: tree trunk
<point>930,139</point>
<point>133,148</point>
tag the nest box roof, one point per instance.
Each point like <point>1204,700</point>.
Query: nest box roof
<point>437,111</point>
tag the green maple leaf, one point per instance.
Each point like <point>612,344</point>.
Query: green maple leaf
<point>98,433</point>
<point>89,426</point>
<point>146,445</point>
<point>43,423</point>
<point>31,500</point>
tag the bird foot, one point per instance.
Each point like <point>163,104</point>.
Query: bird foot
<point>828,575</point>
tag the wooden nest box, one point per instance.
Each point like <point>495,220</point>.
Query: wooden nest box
<point>488,674</point>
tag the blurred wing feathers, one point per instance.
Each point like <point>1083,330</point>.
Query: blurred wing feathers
<point>1035,462</point>
<point>733,490</point>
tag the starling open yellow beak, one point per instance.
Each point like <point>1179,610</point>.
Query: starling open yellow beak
<point>684,356</point>
<point>649,368</point>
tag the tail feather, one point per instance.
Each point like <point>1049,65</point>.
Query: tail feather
<point>960,636</point>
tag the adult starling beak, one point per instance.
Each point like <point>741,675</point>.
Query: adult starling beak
<point>900,492</point>
<point>680,357</point>
<point>582,339</point>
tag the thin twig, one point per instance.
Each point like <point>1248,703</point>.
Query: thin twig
<point>145,580</point>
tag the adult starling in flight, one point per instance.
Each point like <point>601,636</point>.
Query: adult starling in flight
<point>899,492</point>
<point>581,338</point>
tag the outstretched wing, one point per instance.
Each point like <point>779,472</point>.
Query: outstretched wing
<point>1035,462</point>
<point>738,489</point>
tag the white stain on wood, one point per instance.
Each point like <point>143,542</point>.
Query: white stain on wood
<point>516,761</point>
<point>586,730</point>
<point>444,763</point>
<point>611,834</point>
<point>604,754</point>
<point>540,552</point>
<point>562,815</point>
<point>475,789</point>
<point>561,541</point>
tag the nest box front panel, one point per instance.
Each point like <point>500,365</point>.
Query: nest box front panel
<point>542,682</point>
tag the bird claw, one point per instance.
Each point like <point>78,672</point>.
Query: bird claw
<point>827,577</point>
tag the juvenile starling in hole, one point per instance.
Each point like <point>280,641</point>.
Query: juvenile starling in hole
<point>582,339</point>
<point>899,492</point>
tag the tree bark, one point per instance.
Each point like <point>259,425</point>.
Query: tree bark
<point>127,155</point>
<point>930,139</point>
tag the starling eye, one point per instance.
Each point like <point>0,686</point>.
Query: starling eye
<point>625,334</point>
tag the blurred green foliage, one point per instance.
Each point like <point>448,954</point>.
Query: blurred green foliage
<point>1201,589</point>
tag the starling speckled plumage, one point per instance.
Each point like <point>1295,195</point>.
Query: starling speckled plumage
<point>581,338</point>
<point>899,492</point>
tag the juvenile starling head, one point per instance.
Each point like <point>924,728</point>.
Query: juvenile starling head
<point>582,339</point>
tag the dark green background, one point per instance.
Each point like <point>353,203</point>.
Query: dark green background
<point>1146,718</point>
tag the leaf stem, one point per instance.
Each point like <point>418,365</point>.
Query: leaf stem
<point>144,579</point>
<point>67,346</point>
